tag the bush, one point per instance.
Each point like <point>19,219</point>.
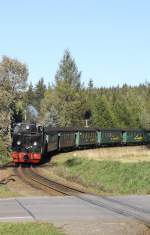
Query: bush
<point>4,154</point>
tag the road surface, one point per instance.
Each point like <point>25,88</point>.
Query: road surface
<point>75,215</point>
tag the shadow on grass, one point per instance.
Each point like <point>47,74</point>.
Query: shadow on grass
<point>73,162</point>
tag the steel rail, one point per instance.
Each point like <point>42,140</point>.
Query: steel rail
<point>59,187</point>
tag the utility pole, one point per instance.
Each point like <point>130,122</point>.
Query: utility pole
<point>25,115</point>
<point>86,123</point>
<point>87,116</point>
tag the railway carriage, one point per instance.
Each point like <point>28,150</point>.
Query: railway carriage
<point>147,136</point>
<point>86,137</point>
<point>50,139</point>
<point>67,138</point>
<point>133,136</point>
<point>59,138</point>
<point>109,137</point>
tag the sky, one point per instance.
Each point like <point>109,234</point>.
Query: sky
<point>109,39</point>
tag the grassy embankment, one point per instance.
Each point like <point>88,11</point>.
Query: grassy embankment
<point>28,228</point>
<point>4,159</point>
<point>123,173</point>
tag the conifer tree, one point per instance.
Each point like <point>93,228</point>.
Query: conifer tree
<point>40,89</point>
<point>30,95</point>
<point>102,113</point>
<point>68,92</point>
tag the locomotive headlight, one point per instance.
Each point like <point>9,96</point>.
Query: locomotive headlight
<point>18,142</point>
<point>27,127</point>
<point>35,143</point>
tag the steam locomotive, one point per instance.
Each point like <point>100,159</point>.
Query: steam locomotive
<point>27,143</point>
<point>31,142</point>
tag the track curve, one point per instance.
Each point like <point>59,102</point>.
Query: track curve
<point>30,176</point>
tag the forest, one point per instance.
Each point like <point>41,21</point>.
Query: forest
<point>68,102</point>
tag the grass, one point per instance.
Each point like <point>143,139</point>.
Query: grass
<point>5,192</point>
<point>122,154</point>
<point>105,177</point>
<point>30,228</point>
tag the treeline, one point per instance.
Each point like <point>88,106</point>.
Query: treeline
<point>66,102</point>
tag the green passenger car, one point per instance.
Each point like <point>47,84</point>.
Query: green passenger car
<point>147,136</point>
<point>109,136</point>
<point>67,139</point>
<point>133,136</point>
<point>51,139</point>
<point>86,137</point>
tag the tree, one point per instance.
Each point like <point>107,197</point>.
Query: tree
<point>68,72</point>
<point>13,77</point>
<point>39,91</point>
<point>34,95</point>
<point>69,101</point>
<point>30,95</point>
<point>51,118</point>
<point>90,84</point>
<point>102,113</point>
<point>66,96</point>
<point>145,119</point>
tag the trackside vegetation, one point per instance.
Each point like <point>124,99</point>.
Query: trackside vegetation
<point>29,228</point>
<point>4,154</point>
<point>105,177</point>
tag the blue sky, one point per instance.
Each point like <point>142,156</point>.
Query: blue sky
<point>109,39</point>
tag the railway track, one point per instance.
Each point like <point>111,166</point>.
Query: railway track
<point>7,165</point>
<point>29,175</point>
<point>113,205</point>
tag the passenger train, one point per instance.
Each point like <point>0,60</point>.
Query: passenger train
<point>31,143</point>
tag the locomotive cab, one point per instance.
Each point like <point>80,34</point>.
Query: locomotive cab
<point>27,143</point>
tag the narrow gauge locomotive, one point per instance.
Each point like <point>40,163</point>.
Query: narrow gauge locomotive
<point>31,142</point>
<point>27,144</point>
